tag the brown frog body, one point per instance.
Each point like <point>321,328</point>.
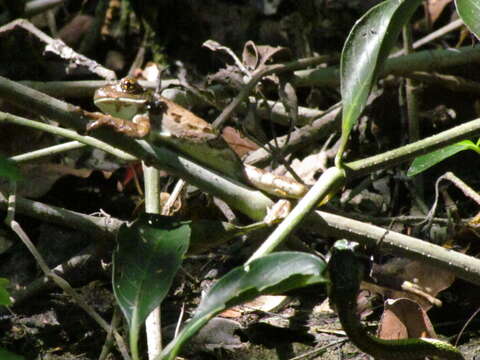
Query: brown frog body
<point>139,113</point>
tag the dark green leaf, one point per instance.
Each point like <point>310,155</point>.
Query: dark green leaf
<point>147,258</point>
<point>272,274</point>
<point>7,355</point>
<point>4,295</point>
<point>9,170</point>
<point>364,53</point>
<point>426,161</point>
<point>469,11</point>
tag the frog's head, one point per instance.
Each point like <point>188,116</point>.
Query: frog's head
<point>124,99</point>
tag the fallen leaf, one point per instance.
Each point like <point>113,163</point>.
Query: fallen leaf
<point>237,141</point>
<point>436,7</point>
<point>428,280</point>
<point>39,178</point>
<point>254,55</point>
<point>404,318</point>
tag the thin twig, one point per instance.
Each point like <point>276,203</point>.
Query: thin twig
<point>257,75</point>
<point>64,285</point>
<point>318,350</point>
<point>116,318</point>
<point>454,25</point>
<point>48,151</point>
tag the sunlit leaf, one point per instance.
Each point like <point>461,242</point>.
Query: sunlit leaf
<point>271,274</point>
<point>364,53</point>
<point>426,161</point>
<point>469,11</point>
<point>4,295</point>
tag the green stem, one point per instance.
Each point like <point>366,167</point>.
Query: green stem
<point>48,151</point>
<point>69,134</point>
<point>330,181</point>
<point>375,237</point>
<point>412,104</point>
<point>411,151</point>
<point>153,327</point>
<point>428,60</point>
<point>251,202</point>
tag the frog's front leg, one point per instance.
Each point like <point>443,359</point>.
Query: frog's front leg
<point>138,127</point>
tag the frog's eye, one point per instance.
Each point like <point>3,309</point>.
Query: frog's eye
<point>131,86</point>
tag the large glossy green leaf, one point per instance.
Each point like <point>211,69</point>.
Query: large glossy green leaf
<point>4,295</point>
<point>469,11</point>
<point>364,53</point>
<point>9,170</point>
<point>148,255</point>
<point>426,161</point>
<point>7,355</point>
<point>271,274</point>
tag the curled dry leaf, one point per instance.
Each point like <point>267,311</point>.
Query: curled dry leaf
<point>254,55</point>
<point>428,280</point>
<point>404,318</point>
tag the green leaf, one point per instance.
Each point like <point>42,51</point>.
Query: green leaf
<point>148,256</point>
<point>364,53</point>
<point>271,274</point>
<point>469,11</point>
<point>426,161</point>
<point>7,355</point>
<point>9,169</point>
<point>4,295</point>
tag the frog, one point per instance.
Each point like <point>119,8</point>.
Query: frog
<point>142,114</point>
<point>130,109</point>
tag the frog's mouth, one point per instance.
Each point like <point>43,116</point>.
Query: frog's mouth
<point>124,108</point>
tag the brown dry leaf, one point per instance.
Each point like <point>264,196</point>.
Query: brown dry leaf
<point>427,279</point>
<point>265,303</point>
<point>404,318</point>
<point>239,143</point>
<point>254,55</point>
<point>230,76</point>
<point>73,31</point>
<point>233,313</point>
<point>436,7</point>
<point>39,178</point>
